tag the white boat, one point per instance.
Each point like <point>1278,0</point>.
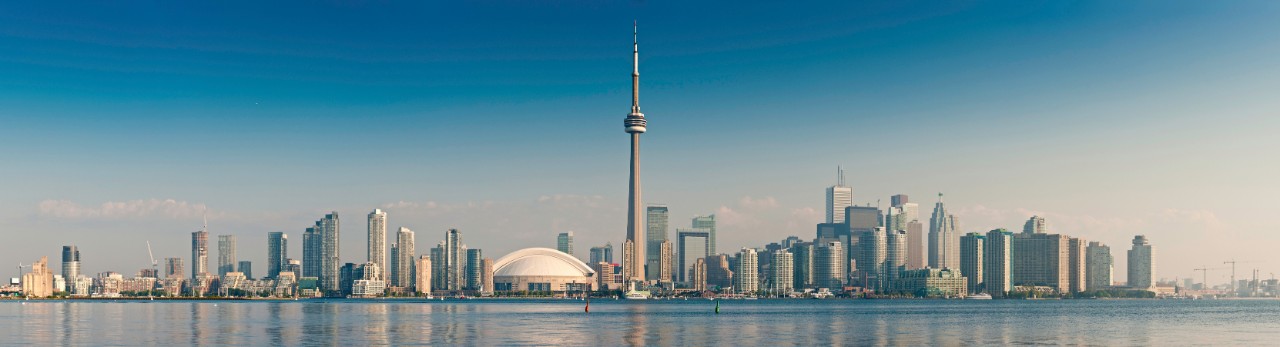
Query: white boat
<point>637,295</point>
<point>979,296</point>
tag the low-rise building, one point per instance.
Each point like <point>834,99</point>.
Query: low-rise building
<point>933,282</point>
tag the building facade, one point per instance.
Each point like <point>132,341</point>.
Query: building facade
<point>657,222</point>
<point>996,268</point>
<point>277,253</point>
<point>971,253</point>
<point>943,238</point>
<point>1142,267</point>
<point>839,197</point>
<point>226,254</point>
<point>1098,266</point>
<point>377,238</point>
<point>747,279</point>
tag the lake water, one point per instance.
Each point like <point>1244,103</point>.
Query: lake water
<point>673,323</point>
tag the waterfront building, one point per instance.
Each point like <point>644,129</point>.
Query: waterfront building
<point>377,238</point>
<point>657,218</point>
<point>708,224</point>
<point>895,255</point>
<point>1035,225</point>
<point>423,275</point>
<point>602,253</point>
<point>311,253</point>
<point>971,252</point>
<point>451,262</point>
<point>932,283</point>
<point>70,262</point>
<point>475,269</point>
<point>172,269</point>
<point>541,270</point>
<point>277,253</point>
<point>692,245</point>
<point>944,250</point>
<point>402,263</point>
<point>781,272</point>
<point>747,280</point>
<point>245,267</point>
<point>486,278</point>
<point>604,275</point>
<point>329,230</point>
<point>1041,260</point>
<point>718,272</point>
<point>666,260</point>
<point>39,282</point>
<point>996,258</point>
<point>839,197</point>
<point>1077,265</point>
<point>1099,266</point>
<point>916,246</point>
<point>199,253</point>
<point>802,265</point>
<point>564,242</point>
<point>872,251</point>
<point>1142,266</point>
<point>635,124</point>
<point>226,254</point>
<point>829,265</point>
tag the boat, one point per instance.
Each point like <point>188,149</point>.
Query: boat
<point>637,295</point>
<point>979,296</point>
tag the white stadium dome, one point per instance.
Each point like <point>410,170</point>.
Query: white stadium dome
<point>540,269</point>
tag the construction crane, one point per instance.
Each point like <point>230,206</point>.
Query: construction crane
<point>1204,271</point>
<point>1233,263</point>
<point>155,271</point>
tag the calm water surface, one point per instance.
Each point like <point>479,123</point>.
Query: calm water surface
<point>674,323</point>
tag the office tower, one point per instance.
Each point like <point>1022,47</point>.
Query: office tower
<point>943,238</point>
<point>693,245</point>
<point>708,224</point>
<point>971,253</point>
<point>1076,265</point>
<point>916,246</point>
<point>1099,266</point>
<point>199,253</point>
<point>698,275</point>
<point>996,270</point>
<point>633,262</point>
<point>564,242</point>
<point>172,268</point>
<point>226,254</point>
<point>1041,260</point>
<point>377,252</point>
<point>403,262</point>
<point>895,255</point>
<point>839,197</point>
<point>782,272</point>
<point>475,269</point>
<point>1035,225</point>
<point>899,200</point>
<point>828,232</point>
<point>328,229</point>
<point>746,279</point>
<point>828,266</point>
<point>666,260</point>
<point>602,253</point>
<point>347,276</point>
<point>311,252</point>
<point>1142,266</point>
<point>486,278</point>
<point>438,273</point>
<point>863,218</point>
<point>604,274</point>
<point>656,226</point>
<point>718,273</point>
<point>245,267</point>
<point>904,215</point>
<point>39,282</point>
<point>277,253</point>
<point>791,241</point>
<point>871,254</point>
<point>802,265</point>
<point>423,275</point>
<point>70,263</point>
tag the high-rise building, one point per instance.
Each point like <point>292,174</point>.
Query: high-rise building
<point>602,253</point>
<point>692,245</point>
<point>475,269</point>
<point>1035,225</point>
<point>905,216</point>
<point>996,268</point>
<point>895,256</point>
<point>39,282</point>
<point>452,262</point>
<point>781,272</point>
<point>173,268</point>
<point>329,229</point>
<point>698,275</point>
<point>311,253</point>
<point>917,248</point>
<point>199,253</point>
<point>666,261</point>
<point>802,265</point>
<point>226,254</point>
<point>839,197</point>
<point>564,242</point>
<point>70,263</point>
<point>718,273</point>
<point>1099,266</point>
<point>277,253</point>
<point>708,224</point>
<point>486,279</point>
<point>404,261</point>
<point>633,262</point>
<point>245,267</point>
<point>423,275</point>
<point>377,252</point>
<point>604,275</point>
<point>944,250</point>
<point>971,253</point>
<point>747,279</point>
<point>657,220</point>
<point>828,266</point>
<point>1142,266</point>
<point>871,253</point>
<point>1041,260</point>
<point>1077,265</point>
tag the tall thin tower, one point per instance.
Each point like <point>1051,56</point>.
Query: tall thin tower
<point>634,252</point>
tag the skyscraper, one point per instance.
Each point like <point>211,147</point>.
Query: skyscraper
<point>708,224</point>
<point>666,260</point>
<point>277,253</point>
<point>633,262</point>
<point>904,215</point>
<point>943,238</point>
<point>564,242</point>
<point>226,254</point>
<point>802,264</point>
<point>1041,260</point>
<point>452,261</point>
<point>1098,266</point>
<point>971,254</point>
<point>311,252</point>
<point>245,267</point>
<point>996,270</point>
<point>199,253</point>
<point>602,253</point>
<point>329,230</point>
<point>656,225</point>
<point>747,279</point>
<point>691,246</point>
<point>1035,225</point>
<point>839,197</point>
<point>1077,265</point>
<point>1142,266</point>
<point>871,253</point>
<point>475,269</point>
<point>423,275</point>
<point>486,277</point>
<point>828,266</point>
<point>781,273</point>
<point>718,273</point>
<point>895,256</point>
<point>404,263</point>
<point>377,252</point>
<point>70,263</point>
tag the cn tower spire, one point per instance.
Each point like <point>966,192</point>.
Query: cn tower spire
<point>633,258</point>
<point>635,64</point>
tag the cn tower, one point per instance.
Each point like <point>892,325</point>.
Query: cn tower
<point>633,257</point>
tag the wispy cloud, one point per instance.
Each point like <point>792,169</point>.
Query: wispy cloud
<point>130,209</point>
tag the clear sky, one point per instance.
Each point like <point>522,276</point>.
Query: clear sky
<point>121,121</point>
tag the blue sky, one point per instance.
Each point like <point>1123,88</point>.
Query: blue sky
<point>503,119</point>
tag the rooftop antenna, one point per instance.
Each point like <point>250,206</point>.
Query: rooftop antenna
<point>205,215</point>
<point>839,175</point>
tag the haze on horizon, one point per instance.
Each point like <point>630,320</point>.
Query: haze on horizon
<point>120,123</point>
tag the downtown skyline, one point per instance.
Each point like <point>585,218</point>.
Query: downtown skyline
<point>764,182</point>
